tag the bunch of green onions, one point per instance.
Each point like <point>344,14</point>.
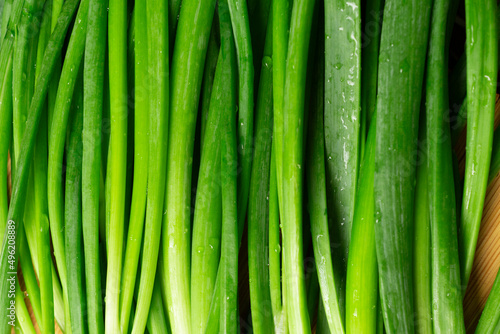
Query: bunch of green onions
<point>146,141</point>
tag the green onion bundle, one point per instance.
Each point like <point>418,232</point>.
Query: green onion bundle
<point>244,166</point>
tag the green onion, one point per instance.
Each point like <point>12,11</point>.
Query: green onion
<point>362,272</point>
<point>241,28</point>
<point>141,154</point>
<point>229,165</point>
<point>422,242</point>
<point>157,43</point>
<point>208,77</point>
<point>22,314</point>
<point>93,74</point>
<point>482,62</point>
<point>44,256</point>
<point>157,319</point>
<point>316,190</point>
<point>293,112</point>
<point>206,239</point>
<point>342,122</point>
<point>5,121</point>
<point>29,275</point>
<point>186,71</point>
<point>117,48</point>
<point>281,11</point>
<point>279,319</point>
<point>258,209</point>
<point>447,312</point>
<point>401,70</point>
<point>6,133</point>
<point>73,216</point>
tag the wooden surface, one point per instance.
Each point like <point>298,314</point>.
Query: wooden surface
<point>486,263</point>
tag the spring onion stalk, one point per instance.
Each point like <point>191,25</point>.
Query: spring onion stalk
<point>208,77</point>
<point>22,314</point>
<point>258,208</point>
<point>158,64</point>
<point>141,152</point>
<point>241,29</point>
<point>458,88</point>
<point>54,83</point>
<point>5,123</point>
<point>130,130</point>
<point>489,323</point>
<point>362,274</point>
<point>157,319</point>
<point>6,133</point>
<point>20,110</point>
<point>458,83</point>
<point>42,225</point>
<point>275,286</point>
<point>20,184</point>
<point>206,239</point>
<point>93,84</point>
<point>447,312</point>
<point>342,120</point>
<point>281,12</point>
<point>59,305</point>
<point>342,116</point>
<point>186,71</point>
<point>117,48</point>
<point>29,276</point>
<point>401,70</point>
<point>369,64</point>
<point>44,256</point>
<point>214,315</point>
<point>107,195</point>
<point>482,62</point>
<point>229,165</point>
<point>293,112</point>
<point>312,61</point>
<point>422,244</point>
<point>73,217</point>
<point>316,188</point>
<point>57,138</point>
